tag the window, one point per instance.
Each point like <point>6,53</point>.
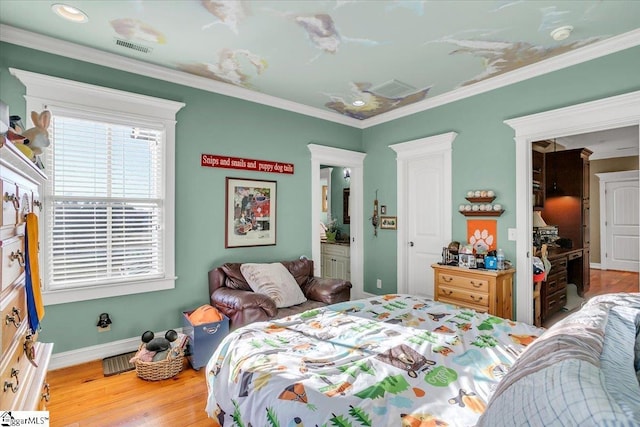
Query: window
<point>107,226</point>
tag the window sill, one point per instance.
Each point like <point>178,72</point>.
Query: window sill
<point>99,292</point>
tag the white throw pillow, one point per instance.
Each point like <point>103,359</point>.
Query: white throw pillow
<point>275,281</point>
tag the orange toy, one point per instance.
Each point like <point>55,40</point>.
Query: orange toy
<point>205,314</point>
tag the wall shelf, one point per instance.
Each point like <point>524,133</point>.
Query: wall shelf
<point>482,213</point>
<point>481,199</point>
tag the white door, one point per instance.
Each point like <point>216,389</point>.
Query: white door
<point>622,225</point>
<point>424,210</point>
<point>426,226</point>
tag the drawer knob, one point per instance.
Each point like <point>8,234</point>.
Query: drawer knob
<point>474,298</point>
<point>447,278</point>
<point>12,319</point>
<point>17,255</point>
<point>12,198</point>
<point>46,395</point>
<point>9,385</point>
<point>475,285</point>
<point>446,292</point>
<point>30,350</point>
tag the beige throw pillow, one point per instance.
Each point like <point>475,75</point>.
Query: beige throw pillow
<point>275,281</point>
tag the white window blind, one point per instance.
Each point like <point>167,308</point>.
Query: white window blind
<point>105,203</point>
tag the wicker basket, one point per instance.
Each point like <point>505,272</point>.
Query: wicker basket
<point>162,369</point>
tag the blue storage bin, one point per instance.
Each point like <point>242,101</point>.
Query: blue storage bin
<point>203,339</point>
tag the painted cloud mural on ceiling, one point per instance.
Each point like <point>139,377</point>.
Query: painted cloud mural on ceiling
<point>335,55</point>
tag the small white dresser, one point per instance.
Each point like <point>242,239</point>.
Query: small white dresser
<point>23,383</point>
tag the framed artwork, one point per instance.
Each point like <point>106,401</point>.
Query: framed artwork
<point>388,222</point>
<point>250,213</point>
<point>346,211</point>
<point>483,234</point>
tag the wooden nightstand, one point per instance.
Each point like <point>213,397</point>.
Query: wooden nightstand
<point>488,291</point>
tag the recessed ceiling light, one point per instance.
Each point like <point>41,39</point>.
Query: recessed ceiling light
<point>358,103</point>
<point>69,13</point>
<point>561,33</point>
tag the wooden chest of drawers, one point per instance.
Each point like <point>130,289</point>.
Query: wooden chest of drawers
<point>23,360</point>
<point>488,291</point>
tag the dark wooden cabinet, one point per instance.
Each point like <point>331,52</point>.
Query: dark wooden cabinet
<point>567,206</point>
<point>553,293</point>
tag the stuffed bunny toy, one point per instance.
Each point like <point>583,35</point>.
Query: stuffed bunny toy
<point>38,136</point>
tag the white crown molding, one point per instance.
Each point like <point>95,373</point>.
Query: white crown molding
<point>577,56</point>
<point>71,50</point>
<point>82,53</point>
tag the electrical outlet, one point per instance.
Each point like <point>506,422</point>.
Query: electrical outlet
<point>513,235</point>
<point>107,329</point>
<point>379,284</point>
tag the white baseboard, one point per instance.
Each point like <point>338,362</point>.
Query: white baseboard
<point>96,352</point>
<point>595,265</point>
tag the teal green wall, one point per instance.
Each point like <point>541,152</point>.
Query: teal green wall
<point>209,123</point>
<point>483,151</point>
<point>483,157</point>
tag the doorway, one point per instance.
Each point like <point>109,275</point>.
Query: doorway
<point>323,155</point>
<point>608,113</point>
<point>619,230</point>
<point>424,207</point>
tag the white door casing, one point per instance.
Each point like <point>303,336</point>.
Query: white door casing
<point>323,155</point>
<point>619,220</point>
<point>424,198</point>
<point>608,113</point>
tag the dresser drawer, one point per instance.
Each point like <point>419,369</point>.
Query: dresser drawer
<point>478,308</point>
<point>13,310</point>
<point>336,250</point>
<point>556,283</point>
<point>14,361</point>
<point>10,203</point>
<point>463,295</point>
<point>555,302</point>
<point>558,265</point>
<point>11,260</point>
<point>471,283</point>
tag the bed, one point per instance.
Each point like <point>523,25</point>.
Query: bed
<point>400,360</point>
<point>383,361</point>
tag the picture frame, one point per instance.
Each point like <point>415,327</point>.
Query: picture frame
<point>346,211</point>
<point>324,198</point>
<point>250,212</point>
<point>388,222</point>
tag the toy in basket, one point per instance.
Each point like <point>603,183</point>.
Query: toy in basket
<point>160,358</point>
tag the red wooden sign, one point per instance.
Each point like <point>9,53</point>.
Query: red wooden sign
<point>227,162</point>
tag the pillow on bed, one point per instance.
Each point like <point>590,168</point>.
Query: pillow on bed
<point>275,281</point>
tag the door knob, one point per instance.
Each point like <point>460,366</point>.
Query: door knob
<point>411,244</point>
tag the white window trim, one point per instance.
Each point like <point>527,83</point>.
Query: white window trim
<point>43,91</point>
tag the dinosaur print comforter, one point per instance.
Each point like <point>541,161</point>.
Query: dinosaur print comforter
<point>392,360</point>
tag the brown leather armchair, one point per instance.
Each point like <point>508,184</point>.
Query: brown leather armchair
<point>231,294</point>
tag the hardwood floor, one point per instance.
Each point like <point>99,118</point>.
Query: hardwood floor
<point>611,281</point>
<point>82,396</point>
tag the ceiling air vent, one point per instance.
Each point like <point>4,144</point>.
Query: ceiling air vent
<point>134,46</point>
<point>394,89</point>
